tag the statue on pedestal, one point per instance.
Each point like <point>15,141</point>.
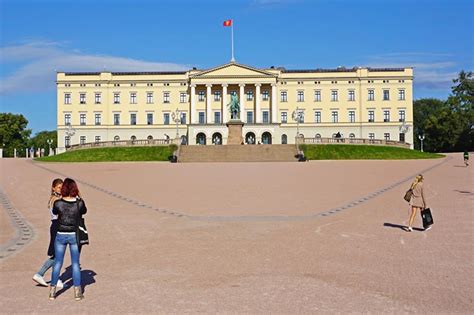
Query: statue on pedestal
<point>234,107</point>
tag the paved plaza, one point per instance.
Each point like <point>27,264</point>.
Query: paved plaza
<point>315,237</point>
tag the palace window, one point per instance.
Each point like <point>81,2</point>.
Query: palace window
<point>386,116</point>
<point>149,118</point>
<point>317,117</point>
<point>98,98</point>
<point>301,116</point>
<point>182,97</point>
<point>97,120</point>
<point>217,96</point>
<point>386,136</point>
<point>166,118</point>
<point>82,119</point>
<point>371,116</point>
<point>217,117</point>
<point>116,119</point>
<point>351,96</point>
<point>67,119</point>
<point>401,115</point>
<point>386,95</point>
<point>67,141</point>
<point>265,95</point>
<point>166,97</point>
<point>249,95</point>
<point>300,96</point>
<point>317,96</point>
<point>401,95</point>
<point>401,137</point>
<point>183,119</point>
<point>116,98</point>
<point>352,116</point>
<point>284,117</point>
<point>334,96</point>
<point>67,98</point>
<point>371,95</point>
<point>97,138</point>
<point>82,140</point>
<point>82,98</point>
<point>202,117</point>
<point>149,98</point>
<point>372,136</point>
<point>133,119</point>
<point>265,117</point>
<point>249,117</point>
<point>201,96</point>
<point>335,116</point>
<point>133,98</point>
<point>283,96</point>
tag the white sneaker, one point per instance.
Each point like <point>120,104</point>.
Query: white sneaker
<point>60,284</point>
<point>39,279</point>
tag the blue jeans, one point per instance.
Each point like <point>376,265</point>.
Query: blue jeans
<point>62,240</point>
<point>47,264</point>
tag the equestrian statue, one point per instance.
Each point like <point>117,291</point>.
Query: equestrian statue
<point>234,107</point>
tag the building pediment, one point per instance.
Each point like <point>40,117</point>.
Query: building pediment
<point>233,70</point>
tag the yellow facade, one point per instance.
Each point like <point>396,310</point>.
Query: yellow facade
<point>355,102</point>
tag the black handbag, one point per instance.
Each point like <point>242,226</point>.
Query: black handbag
<point>427,217</point>
<point>408,195</point>
<point>81,234</point>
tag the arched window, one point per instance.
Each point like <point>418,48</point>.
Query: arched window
<point>250,138</point>
<point>267,138</point>
<point>351,135</point>
<point>133,138</point>
<point>217,138</point>
<point>116,138</point>
<point>150,137</point>
<point>284,139</point>
<point>201,138</point>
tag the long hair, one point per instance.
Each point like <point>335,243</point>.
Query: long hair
<point>69,188</point>
<point>417,180</point>
<point>55,183</point>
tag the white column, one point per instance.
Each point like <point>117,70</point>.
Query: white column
<point>193,113</point>
<point>242,101</point>
<point>258,114</point>
<point>274,104</point>
<point>208,103</point>
<point>225,110</point>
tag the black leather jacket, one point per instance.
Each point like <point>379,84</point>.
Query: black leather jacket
<point>69,213</point>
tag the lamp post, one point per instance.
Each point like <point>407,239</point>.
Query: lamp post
<point>421,137</point>
<point>176,116</point>
<point>50,142</point>
<point>297,115</point>
<point>70,132</point>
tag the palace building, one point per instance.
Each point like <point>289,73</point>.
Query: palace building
<point>276,104</point>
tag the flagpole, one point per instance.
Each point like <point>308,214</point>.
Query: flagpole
<point>232,36</point>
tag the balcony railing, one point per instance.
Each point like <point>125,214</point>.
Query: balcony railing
<point>123,143</point>
<point>353,141</point>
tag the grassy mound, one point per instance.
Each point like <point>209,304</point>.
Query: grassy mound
<point>362,152</point>
<point>158,153</point>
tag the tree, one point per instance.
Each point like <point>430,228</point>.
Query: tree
<point>40,140</point>
<point>423,109</point>
<point>13,134</point>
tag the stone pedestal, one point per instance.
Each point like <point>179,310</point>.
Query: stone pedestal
<point>235,132</point>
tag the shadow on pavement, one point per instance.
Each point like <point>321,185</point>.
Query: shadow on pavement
<point>87,278</point>
<point>401,227</point>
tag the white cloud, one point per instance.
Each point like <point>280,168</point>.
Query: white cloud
<point>41,60</point>
<point>431,70</point>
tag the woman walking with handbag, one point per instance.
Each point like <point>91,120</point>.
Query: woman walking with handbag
<point>69,210</point>
<point>417,201</point>
<point>53,229</point>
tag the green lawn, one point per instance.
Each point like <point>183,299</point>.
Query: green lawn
<point>158,153</point>
<point>362,152</point>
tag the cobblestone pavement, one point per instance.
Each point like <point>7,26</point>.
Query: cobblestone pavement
<point>245,237</point>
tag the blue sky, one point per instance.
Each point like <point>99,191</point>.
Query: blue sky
<point>39,38</point>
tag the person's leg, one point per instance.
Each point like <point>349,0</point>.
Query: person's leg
<point>59,249</point>
<point>412,217</point>
<point>48,263</point>
<point>75,261</point>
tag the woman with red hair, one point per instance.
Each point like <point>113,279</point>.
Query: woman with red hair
<point>69,210</point>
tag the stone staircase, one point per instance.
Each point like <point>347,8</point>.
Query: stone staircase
<point>238,153</point>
